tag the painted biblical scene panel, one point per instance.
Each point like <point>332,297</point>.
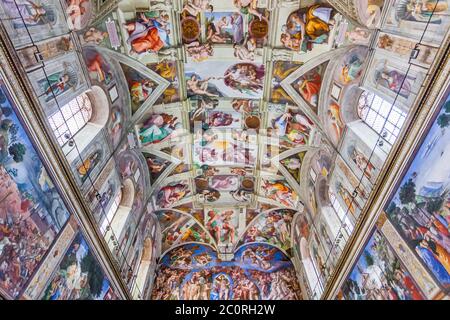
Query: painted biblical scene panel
<point>380,275</point>
<point>308,28</point>
<point>273,227</point>
<point>220,148</point>
<point>224,27</point>
<point>243,80</point>
<point>79,275</point>
<point>32,213</point>
<point>403,47</point>
<point>427,19</point>
<point>225,185</point>
<point>419,206</point>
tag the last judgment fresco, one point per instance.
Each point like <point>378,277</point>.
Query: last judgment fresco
<point>258,272</point>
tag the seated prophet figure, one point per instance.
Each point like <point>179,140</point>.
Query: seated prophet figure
<point>145,34</point>
<point>318,21</point>
<point>158,128</point>
<point>302,29</point>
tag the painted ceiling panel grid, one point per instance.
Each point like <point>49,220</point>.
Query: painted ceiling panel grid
<point>252,131</point>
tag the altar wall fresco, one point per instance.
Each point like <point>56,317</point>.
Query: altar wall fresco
<point>258,272</point>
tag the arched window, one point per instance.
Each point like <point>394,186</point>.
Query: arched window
<point>310,269</point>
<point>341,213</point>
<point>71,118</point>
<point>383,117</point>
<point>118,213</point>
<point>111,212</point>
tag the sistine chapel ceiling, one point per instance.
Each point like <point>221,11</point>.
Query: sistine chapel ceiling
<point>237,125</point>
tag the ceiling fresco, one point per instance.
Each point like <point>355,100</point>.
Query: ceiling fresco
<point>229,130</point>
<point>248,121</point>
<point>237,125</point>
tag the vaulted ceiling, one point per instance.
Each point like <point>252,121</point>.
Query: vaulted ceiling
<point>232,129</point>
<point>233,123</point>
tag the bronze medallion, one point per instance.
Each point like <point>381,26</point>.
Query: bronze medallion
<point>190,29</point>
<point>259,28</point>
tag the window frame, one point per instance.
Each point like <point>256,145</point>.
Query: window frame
<point>71,118</point>
<point>383,117</point>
